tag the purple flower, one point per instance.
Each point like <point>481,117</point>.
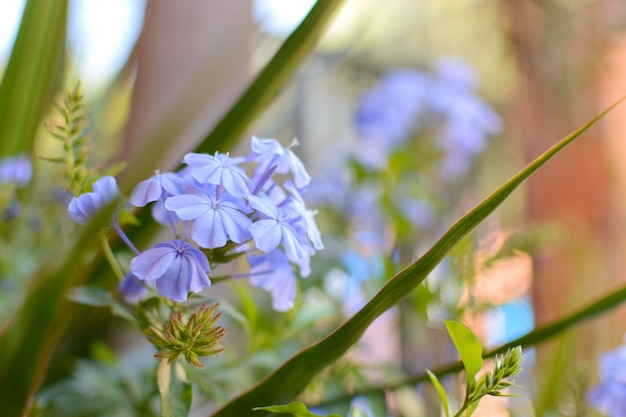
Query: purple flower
<point>16,170</point>
<point>216,218</point>
<point>388,113</point>
<point>132,289</point>
<point>82,208</point>
<point>270,153</point>
<point>177,267</point>
<point>273,273</point>
<point>219,170</point>
<point>609,396</point>
<point>312,232</point>
<point>270,232</point>
<point>155,188</point>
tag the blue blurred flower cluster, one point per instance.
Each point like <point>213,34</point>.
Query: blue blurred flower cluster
<point>417,133</point>
<point>213,203</point>
<point>405,102</point>
<point>609,395</point>
<point>16,170</point>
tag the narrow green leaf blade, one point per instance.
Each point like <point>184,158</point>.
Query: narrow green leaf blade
<point>440,391</point>
<point>295,409</point>
<point>30,338</point>
<point>33,74</point>
<point>99,297</point>
<point>293,376</point>
<point>469,347</point>
<point>175,393</point>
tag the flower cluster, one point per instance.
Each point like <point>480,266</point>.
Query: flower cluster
<point>609,396</point>
<point>397,107</point>
<point>215,208</point>
<point>15,170</point>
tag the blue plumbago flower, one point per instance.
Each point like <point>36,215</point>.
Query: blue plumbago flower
<point>220,205</point>
<point>217,218</point>
<point>390,111</point>
<point>312,232</point>
<point>274,273</point>
<point>82,208</point>
<point>609,396</point>
<point>269,153</point>
<point>132,289</point>
<point>177,267</point>
<point>276,228</point>
<point>155,188</point>
<point>15,170</point>
<point>220,169</point>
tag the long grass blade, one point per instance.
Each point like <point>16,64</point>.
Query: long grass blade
<point>291,378</point>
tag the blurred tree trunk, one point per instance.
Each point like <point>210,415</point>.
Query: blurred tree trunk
<point>192,63</point>
<point>557,53</point>
<point>559,48</point>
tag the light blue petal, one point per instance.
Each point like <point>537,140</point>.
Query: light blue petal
<point>174,283</point>
<point>293,247</point>
<point>199,258</point>
<point>198,279</point>
<point>107,187</point>
<point>283,295</point>
<point>188,206</point>
<point>146,192</point>
<point>266,234</point>
<point>300,176</point>
<point>235,182</point>
<point>235,224</point>
<point>153,263</point>
<point>132,289</point>
<point>208,231</point>
<point>266,146</point>
<point>264,206</point>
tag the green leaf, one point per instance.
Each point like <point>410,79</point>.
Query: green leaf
<point>440,391</point>
<point>33,74</point>
<point>30,338</point>
<point>295,409</point>
<point>468,346</point>
<point>292,377</point>
<point>99,297</point>
<point>175,393</point>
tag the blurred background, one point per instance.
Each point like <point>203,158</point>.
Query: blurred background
<point>170,70</point>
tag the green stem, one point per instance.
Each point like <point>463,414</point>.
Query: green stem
<point>108,252</point>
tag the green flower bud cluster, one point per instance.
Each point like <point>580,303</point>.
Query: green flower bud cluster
<point>491,383</point>
<point>71,131</point>
<point>196,338</point>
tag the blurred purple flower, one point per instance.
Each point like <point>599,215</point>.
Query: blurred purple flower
<point>177,267</point>
<point>216,218</point>
<point>220,169</point>
<point>82,208</point>
<point>609,396</point>
<point>467,120</point>
<point>455,73</point>
<point>273,273</point>
<point>389,112</point>
<point>16,170</point>
<point>132,289</point>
